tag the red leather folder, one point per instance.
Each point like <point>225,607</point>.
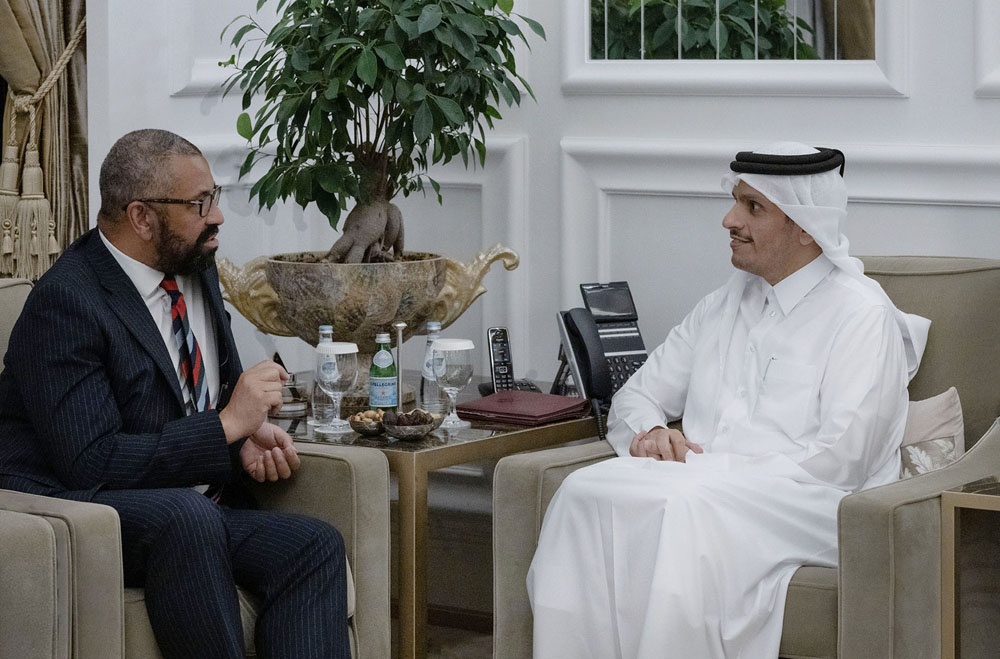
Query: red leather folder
<point>526,408</point>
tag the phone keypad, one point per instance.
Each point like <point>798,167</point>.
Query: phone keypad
<point>622,367</point>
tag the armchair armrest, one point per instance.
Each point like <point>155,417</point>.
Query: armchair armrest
<point>890,559</point>
<point>60,578</point>
<point>348,487</point>
<point>523,485</point>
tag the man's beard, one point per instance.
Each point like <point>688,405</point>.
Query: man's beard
<point>175,258</point>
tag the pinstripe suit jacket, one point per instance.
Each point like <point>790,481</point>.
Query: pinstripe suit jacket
<point>89,398</point>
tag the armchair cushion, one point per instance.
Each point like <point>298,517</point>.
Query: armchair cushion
<point>934,435</point>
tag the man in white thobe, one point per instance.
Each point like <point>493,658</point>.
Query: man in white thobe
<point>791,381</point>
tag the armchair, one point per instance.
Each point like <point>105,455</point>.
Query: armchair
<point>884,600</point>
<point>61,587</point>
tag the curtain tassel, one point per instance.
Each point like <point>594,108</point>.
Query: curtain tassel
<point>33,211</point>
<point>8,203</point>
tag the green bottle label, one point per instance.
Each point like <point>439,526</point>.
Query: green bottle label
<point>383,388</point>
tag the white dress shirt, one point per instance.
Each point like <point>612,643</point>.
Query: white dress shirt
<point>807,378</point>
<point>147,283</point>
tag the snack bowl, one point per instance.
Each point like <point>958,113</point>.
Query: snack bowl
<point>413,433</point>
<point>366,425</point>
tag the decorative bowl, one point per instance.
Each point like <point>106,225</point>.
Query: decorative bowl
<point>413,433</point>
<point>366,427</point>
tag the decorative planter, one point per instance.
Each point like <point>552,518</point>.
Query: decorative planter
<point>283,296</point>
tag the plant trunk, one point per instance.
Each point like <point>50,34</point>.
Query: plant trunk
<point>370,231</point>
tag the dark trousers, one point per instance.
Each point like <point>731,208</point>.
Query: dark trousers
<point>189,554</point>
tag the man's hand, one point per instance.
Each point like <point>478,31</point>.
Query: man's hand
<point>269,454</point>
<point>257,392</point>
<point>662,443</point>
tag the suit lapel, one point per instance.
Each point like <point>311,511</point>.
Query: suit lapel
<point>124,300</point>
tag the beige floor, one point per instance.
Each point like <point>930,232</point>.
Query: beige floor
<point>449,643</point>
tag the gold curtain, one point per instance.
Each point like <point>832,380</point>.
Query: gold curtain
<point>855,28</point>
<point>34,34</point>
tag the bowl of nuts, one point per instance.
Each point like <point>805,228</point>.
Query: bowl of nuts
<point>412,425</point>
<point>368,423</point>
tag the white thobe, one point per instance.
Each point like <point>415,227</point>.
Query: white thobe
<point>797,393</point>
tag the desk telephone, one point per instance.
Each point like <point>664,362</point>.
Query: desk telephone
<point>601,345</point>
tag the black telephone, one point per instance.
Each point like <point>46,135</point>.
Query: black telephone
<point>601,344</point>
<point>501,365</point>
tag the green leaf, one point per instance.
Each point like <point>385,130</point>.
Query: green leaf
<point>481,148</point>
<point>469,24</point>
<point>332,89</point>
<point>403,89</point>
<point>535,26</point>
<point>392,56</point>
<point>505,5</point>
<point>329,179</point>
<point>243,126</point>
<point>451,110</point>
<point>408,26</point>
<point>423,123</point>
<point>242,33</point>
<point>329,207</point>
<point>430,18</point>
<point>367,67</point>
<point>247,164</point>
<point>300,61</point>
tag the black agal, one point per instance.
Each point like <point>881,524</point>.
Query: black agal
<point>748,162</point>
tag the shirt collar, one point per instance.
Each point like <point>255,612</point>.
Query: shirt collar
<point>790,290</point>
<point>146,279</point>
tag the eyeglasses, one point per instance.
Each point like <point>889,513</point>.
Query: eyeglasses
<point>204,203</point>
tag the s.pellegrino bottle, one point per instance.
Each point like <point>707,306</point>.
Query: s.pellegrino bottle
<point>431,395</point>
<point>383,393</point>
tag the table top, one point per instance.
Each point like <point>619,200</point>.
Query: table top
<point>302,431</point>
<point>989,486</point>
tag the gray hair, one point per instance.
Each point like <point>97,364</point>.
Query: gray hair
<point>133,168</point>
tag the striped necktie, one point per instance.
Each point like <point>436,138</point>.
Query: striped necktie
<point>192,366</point>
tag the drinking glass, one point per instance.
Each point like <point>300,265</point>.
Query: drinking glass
<point>336,373</point>
<point>453,370</point>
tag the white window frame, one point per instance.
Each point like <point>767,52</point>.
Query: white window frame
<point>887,75</point>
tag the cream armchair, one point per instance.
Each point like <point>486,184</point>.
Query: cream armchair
<point>61,590</point>
<point>884,601</point>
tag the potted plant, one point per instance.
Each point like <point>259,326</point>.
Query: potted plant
<point>357,98</point>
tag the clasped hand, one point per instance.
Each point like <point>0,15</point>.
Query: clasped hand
<point>662,443</point>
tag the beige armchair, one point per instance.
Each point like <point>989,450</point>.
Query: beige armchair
<point>61,590</point>
<point>884,601</point>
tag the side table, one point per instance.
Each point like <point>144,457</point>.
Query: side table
<point>979,495</point>
<point>411,462</point>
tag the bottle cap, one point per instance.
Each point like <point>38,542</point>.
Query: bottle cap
<point>382,337</point>
<point>433,326</point>
<point>336,348</point>
<point>326,328</point>
<point>452,344</point>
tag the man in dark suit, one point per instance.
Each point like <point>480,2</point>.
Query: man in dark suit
<point>122,385</point>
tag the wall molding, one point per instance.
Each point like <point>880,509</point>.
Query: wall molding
<point>594,170</point>
<point>987,20</point>
<point>887,75</point>
<point>505,204</point>
<point>200,76</point>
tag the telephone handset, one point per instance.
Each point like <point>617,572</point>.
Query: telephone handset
<point>586,355</point>
<point>581,350</point>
